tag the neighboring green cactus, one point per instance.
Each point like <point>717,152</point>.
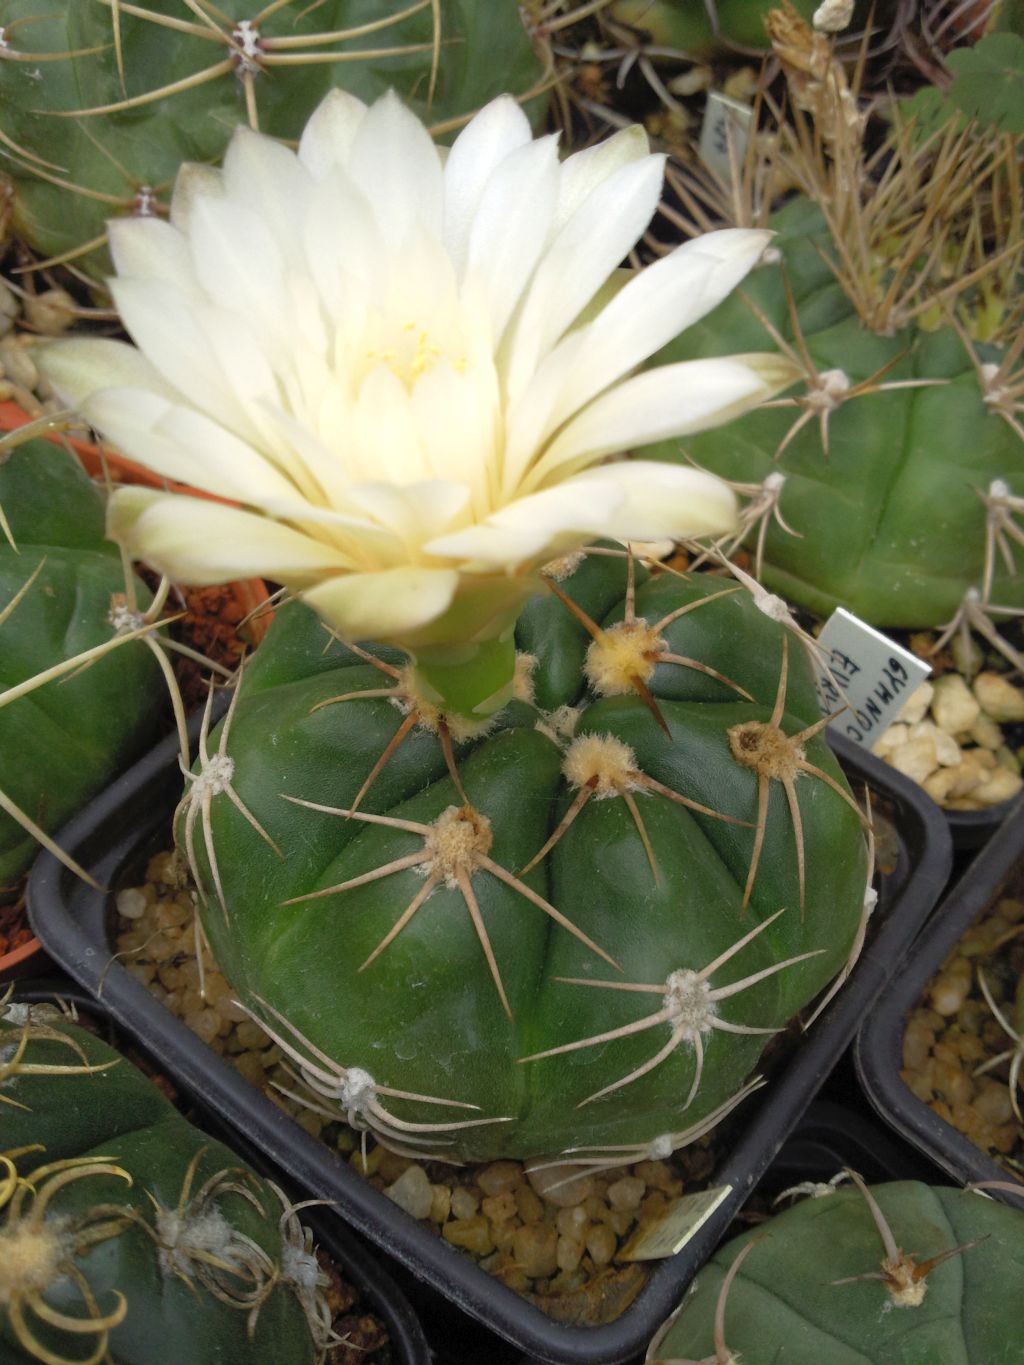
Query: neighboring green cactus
<point>60,580</point>
<point>126,1235</point>
<point>898,472</point>
<point>185,75</point>
<point>464,952</point>
<point>690,28</point>
<point>888,522</point>
<point>813,1285</point>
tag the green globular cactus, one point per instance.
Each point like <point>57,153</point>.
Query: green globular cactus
<point>702,31</point>
<point>899,1274</point>
<point>570,929</point>
<point>896,476</point>
<point>101,103</point>
<point>68,723</point>
<point>127,1235</point>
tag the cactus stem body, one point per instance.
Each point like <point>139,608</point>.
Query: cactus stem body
<point>455,847</point>
<point>689,1007</point>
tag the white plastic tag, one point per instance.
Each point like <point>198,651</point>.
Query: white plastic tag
<point>871,677</point>
<point>674,1226</point>
<point>726,121</point>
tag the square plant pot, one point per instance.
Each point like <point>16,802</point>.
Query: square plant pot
<point>879,1046</point>
<point>115,835</point>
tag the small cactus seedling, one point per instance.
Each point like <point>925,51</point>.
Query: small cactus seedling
<point>102,101</point>
<point>810,1286</point>
<point>79,689</point>
<point>126,1234</point>
<point>892,483</point>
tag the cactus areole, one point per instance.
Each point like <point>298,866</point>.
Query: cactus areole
<point>572,925</point>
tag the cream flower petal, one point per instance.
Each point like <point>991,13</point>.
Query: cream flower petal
<point>672,400</point>
<point>415,512</point>
<point>171,336</point>
<point>200,543</point>
<point>651,309</point>
<point>481,147</point>
<point>661,500</point>
<point>586,251</point>
<point>150,249</point>
<point>237,260</point>
<point>396,165</point>
<point>194,181</point>
<point>327,138</point>
<point>342,247</point>
<point>261,175</point>
<point>140,424</point>
<point>585,170</point>
<point>512,224</point>
<point>655,306</point>
<point>377,606</point>
<point>528,528</point>
<point>80,366</point>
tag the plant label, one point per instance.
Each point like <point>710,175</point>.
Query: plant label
<point>864,678</point>
<point>663,1236</point>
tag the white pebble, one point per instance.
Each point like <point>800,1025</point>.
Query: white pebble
<point>947,751</point>
<point>953,706</point>
<point>916,706</point>
<point>131,903</point>
<point>412,1191</point>
<point>999,698</point>
<point>916,758</point>
<point>998,786</point>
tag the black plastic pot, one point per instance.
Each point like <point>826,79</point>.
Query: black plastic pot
<point>114,836</point>
<point>879,1047</point>
<point>377,1290</point>
<point>972,829</point>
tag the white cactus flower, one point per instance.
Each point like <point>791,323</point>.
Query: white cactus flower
<point>405,367</point>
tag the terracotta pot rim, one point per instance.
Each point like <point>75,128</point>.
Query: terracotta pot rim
<point>13,963</point>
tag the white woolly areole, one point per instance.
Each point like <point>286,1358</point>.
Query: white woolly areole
<point>831,388</point>
<point>773,481</point>
<point>870,899</point>
<point>999,488</point>
<point>660,1148</point>
<point>688,1003</point>
<point>601,761</point>
<point>123,620</point>
<point>300,1267</point>
<point>216,775</point>
<point>30,1257</point>
<point>182,1236</point>
<point>356,1088</point>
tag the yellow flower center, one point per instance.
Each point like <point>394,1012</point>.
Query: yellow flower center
<point>414,354</point>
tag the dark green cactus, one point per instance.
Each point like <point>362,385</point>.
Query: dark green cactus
<point>126,1234</point>
<point>60,580</point>
<point>269,65</point>
<point>889,494</point>
<point>821,1283</point>
<point>691,28</point>
<point>422,932</point>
